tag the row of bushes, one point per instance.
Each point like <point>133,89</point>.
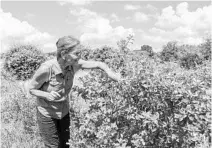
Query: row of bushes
<point>188,56</point>
<point>18,116</point>
<point>18,113</point>
<point>23,60</point>
<point>159,104</point>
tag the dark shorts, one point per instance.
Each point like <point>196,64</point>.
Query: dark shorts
<point>54,132</point>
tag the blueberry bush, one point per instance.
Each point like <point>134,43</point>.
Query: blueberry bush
<point>159,104</point>
<point>22,60</point>
<point>163,101</point>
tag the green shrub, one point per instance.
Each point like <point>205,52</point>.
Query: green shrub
<point>123,44</point>
<point>148,50</point>
<point>105,54</point>
<point>18,116</point>
<point>159,105</point>
<point>169,52</point>
<point>206,48</point>
<point>190,60</point>
<point>22,60</point>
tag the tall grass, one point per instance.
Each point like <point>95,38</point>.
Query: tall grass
<point>18,116</point>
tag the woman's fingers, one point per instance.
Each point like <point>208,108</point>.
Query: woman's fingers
<point>55,94</point>
<point>51,98</point>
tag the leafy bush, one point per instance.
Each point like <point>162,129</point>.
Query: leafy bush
<point>22,60</point>
<point>159,105</point>
<point>105,54</point>
<point>169,52</point>
<point>123,44</point>
<point>18,116</point>
<point>190,60</point>
<point>206,48</point>
<point>148,50</point>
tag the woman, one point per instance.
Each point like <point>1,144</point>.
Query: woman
<point>51,84</point>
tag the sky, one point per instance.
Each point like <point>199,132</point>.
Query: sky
<point>99,23</point>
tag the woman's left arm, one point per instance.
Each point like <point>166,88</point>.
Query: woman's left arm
<point>82,64</point>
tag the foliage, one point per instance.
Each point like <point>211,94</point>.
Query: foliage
<point>190,60</point>
<point>124,43</point>
<point>18,116</point>
<point>51,55</point>
<point>206,48</point>
<point>169,51</point>
<point>158,105</point>
<point>22,60</point>
<point>105,54</point>
<point>188,56</point>
<point>148,50</point>
<point>2,55</point>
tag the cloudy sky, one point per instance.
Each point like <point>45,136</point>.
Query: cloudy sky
<point>98,23</point>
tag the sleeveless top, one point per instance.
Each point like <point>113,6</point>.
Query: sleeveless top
<point>61,82</point>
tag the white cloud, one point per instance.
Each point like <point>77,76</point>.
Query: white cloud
<point>140,30</point>
<point>49,45</point>
<point>97,30</point>
<point>75,2</point>
<point>169,19</point>
<point>131,7</point>
<point>155,39</point>
<point>192,41</point>
<point>182,25</point>
<point>29,16</point>
<point>151,8</point>
<point>180,34</point>
<point>14,30</point>
<point>13,27</point>
<point>182,8</point>
<point>156,42</point>
<point>38,37</point>
<point>140,17</point>
<point>176,33</point>
<point>114,17</point>
<point>62,2</point>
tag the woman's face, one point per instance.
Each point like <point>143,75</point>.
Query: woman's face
<point>70,57</point>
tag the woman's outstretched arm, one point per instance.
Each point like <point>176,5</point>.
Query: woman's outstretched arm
<point>82,64</point>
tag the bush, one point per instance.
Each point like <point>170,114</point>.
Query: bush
<point>22,60</point>
<point>105,54</point>
<point>159,105</point>
<point>148,50</point>
<point>206,48</point>
<point>18,116</point>
<point>169,52</point>
<point>190,61</point>
<point>123,44</point>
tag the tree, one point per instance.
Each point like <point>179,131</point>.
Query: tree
<point>169,52</point>
<point>206,48</point>
<point>123,43</point>
<point>148,50</point>
<point>22,60</point>
<point>190,60</point>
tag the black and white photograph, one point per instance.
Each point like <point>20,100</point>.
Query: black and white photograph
<point>105,74</point>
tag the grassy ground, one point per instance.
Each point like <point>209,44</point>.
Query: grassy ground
<point>18,116</point>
